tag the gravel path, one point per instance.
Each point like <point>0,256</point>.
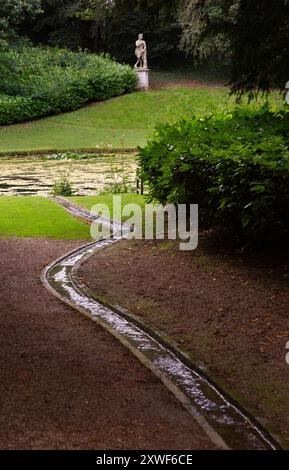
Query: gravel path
<point>67,384</point>
<point>229,311</point>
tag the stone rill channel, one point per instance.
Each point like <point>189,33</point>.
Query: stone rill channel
<point>225,422</point>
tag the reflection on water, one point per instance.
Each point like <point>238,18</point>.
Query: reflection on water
<point>36,176</point>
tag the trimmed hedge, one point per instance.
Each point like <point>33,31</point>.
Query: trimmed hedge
<point>38,82</point>
<point>235,166</point>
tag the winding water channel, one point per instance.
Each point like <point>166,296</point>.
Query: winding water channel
<point>227,424</point>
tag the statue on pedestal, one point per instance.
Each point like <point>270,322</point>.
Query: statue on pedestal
<point>141,53</point>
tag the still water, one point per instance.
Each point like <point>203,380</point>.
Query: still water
<point>36,175</point>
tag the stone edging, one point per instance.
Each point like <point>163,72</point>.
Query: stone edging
<point>266,440</point>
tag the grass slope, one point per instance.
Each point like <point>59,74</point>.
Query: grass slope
<point>37,217</point>
<point>122,122</point>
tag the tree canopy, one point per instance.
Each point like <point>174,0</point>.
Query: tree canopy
<point>12,14</point>
<point>260,46</point>
<point>207,28</point>
<point>111,26</point>
<point>249,38</point>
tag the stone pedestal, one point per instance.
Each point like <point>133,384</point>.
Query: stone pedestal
<point>143,79</point>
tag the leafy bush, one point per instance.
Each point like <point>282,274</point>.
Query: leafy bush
<point>235,166</point>
<point>63,187</point>
<point>37,82</point>
<point>118,180</point>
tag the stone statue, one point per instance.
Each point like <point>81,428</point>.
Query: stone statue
<point>141,53</point>
<point>287,92</point>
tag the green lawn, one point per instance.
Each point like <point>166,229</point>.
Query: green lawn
<point>121,122</point>
<point>38,217</point>
<point>182,74</point>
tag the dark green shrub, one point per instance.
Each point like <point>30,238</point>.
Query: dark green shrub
<point>62,187</point>
<point>43,81</point>
<point>235,166</point>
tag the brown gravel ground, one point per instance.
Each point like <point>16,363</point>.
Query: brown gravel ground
<point>228,311</point>
<point>67,384</point>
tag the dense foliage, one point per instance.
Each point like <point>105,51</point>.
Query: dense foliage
<point>12,14</point>
<point>207,29</point>
<point>235,166</point>
<point>41,81</point>
<point>110,26</point>
<point>260,46</point>
<point>252,37</point>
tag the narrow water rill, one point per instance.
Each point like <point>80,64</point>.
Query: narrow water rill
<point>225,422</point>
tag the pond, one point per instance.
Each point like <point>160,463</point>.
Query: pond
<point>37,175</point>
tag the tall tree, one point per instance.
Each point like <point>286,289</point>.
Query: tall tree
<point>111,26</point>
<point>62,24</point>
<point>12,14</point>
<point>155,18</point>
<point>207,27</point>
<point>261,46</point>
